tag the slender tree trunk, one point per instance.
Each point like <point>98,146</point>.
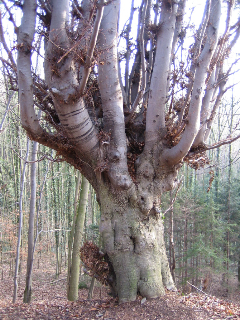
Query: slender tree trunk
<point>56,219</point>
<point>185,247</point>
<point>90,292</point>
<point>238,272</point>
<point>229,194</point>
<point>28,288</point>
<point>172,249</point>
<point>79,224</point>
<point>20,225</point>
<point>71,235</point>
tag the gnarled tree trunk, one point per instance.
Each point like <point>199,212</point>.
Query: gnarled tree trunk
<point>133,232</point>
<point>135,246</point>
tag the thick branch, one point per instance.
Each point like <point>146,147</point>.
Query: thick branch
<point>61,77</point>
<point>176,154</point>
<point>206,103</point>
<point>158,89</point>
<point>195,55</point>
<point>112,99</point>
<point>25,37</point>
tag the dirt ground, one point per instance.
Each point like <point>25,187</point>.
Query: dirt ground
<point>49,302</point>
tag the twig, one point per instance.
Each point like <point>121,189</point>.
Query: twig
<point>58,280</point>
<point>175,197</point>
<point>221,143</point>
<point>198,289</point>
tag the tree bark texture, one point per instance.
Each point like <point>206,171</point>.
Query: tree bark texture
<point>134,243</point>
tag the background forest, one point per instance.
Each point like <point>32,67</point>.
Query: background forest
<point>201,216</point>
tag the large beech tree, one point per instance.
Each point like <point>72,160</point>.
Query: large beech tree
<point>127,134</point>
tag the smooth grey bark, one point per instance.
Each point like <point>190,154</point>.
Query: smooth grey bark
<point>112,99</point>
<point>33,186</point>
<point>158,89</point>
<point>20,225</point>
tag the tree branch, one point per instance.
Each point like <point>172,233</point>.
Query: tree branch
<point>143,66</point>
<point>128,52</point>
<point>61,77</point>
<point>158,90</point>
<point>195,55</point>
<point>3,41</point>
<point>112,99</point>
<point>29,118</point>
<point>87,67</point>
<point>177,153</point>
<point>6,111</point>
<point>221,143</point>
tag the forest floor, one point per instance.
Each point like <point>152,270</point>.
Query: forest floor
<point>49,301</point>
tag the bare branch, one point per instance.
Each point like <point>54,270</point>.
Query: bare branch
<point>198,289</point>
<point>6,111</point>
<point>158,90</point>
<point>112,99</point>
<point>143,66</point>
<point>196,50</point>
<point>206,103</point>
<point>176,154</point>
<point>128,52</point>
<point>62,79</point>
<point>11,18</point>
<point>87,67</point>
<point>5,46</point>
<point>175,197</point>
<point>221,143</point>
<point>25,38</point>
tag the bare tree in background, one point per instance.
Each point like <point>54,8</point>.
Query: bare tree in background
<point>127,135</point>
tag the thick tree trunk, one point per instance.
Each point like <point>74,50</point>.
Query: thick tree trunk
<point>135,246</point>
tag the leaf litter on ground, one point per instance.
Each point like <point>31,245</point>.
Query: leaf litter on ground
<point>49,301</point>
